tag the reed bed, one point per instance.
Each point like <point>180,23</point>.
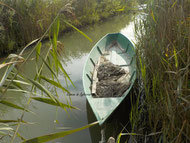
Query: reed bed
<point>161,112</point>
<point>23,21</point>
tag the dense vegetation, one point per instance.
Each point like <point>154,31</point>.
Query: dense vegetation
<point>163,55</point>
<point>22,21</point>
<point>160,112</point>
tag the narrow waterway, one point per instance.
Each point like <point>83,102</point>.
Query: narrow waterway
<point>49,119</point>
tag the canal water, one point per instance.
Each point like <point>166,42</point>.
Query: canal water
<point>49,119</point>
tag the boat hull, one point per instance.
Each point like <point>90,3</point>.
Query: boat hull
<point>104,107</point>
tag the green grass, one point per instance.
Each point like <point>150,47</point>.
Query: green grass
<point>163,49</point>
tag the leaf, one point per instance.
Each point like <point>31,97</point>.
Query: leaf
<point>9,63</point>
<point>53,136</point>
<point>153,134</point>
<point>42,88</point>
<point>23,91</point>
<point>17,90</point>
<point>121,9</point>
<point>12,105</point>
<point>42,65</point>
<point>3,133</point>
<point>78,31</point>
<point>19,81</point>
<point>131,134</point>
<point>63,70</point>
<point>118,138</point>
<point>11,121</point>
<point>21,137</point>
<point>176,59</point>
<point>167,62</point>
<point>54,83</point>
<point>54,42</point>
<point>6,64</point>
<point>49,101</point>
<point>15,56</point>
<point>54,53</point>
<point>47,65</point>
<point>58,26</point>
<point>38,49</point>
<point>6,74</point>
<point>152,14</point>
<point>6,129</point>
<point>29,44</point>
<point>174,4</point>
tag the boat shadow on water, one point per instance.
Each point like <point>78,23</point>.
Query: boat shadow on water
<point>117,122</point>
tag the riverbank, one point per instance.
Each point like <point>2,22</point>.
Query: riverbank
<point>21,24</point>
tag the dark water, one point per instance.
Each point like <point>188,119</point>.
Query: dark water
<point>49,119</point>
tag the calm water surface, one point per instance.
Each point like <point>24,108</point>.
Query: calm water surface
<point>49,119</point>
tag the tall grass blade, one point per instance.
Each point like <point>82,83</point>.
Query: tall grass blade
<point>153,17</point>
<point>119,138</point>
<point>6,74</point>
<point>38,49</point>
<point>54,53</point>
<point>49,101</point>
<point>6,64</point>
<point>21,137</point>
<point>12,105</point>
<point>130,134</point>
<point>29,44</point>
<point>42,65</point>
<point>78,31</point>
<point>65,73</point>
<point>11,56</point>
<point>47,65</point>
<point>20,82</point>
<point>58,26</point>
<point>54,83</point>
<point>174,3</point>
<point>3,133</point>
<point>22,91</point>
<point>6,129</point>
<point>53,136</point>
<point>176,59</point>
<point>42,88</point>
<point>11,121</point>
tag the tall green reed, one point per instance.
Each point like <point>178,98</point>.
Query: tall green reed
<point>163,59</point>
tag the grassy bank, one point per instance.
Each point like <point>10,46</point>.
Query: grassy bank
<point>23,21</point>
<point>163,55</point>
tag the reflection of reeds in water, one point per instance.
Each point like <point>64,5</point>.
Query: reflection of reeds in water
<point>163,59</point>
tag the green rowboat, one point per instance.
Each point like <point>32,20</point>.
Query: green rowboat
<point>120,51</point>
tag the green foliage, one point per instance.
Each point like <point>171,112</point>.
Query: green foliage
<point>22,21</point>
<point>163,59</point>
